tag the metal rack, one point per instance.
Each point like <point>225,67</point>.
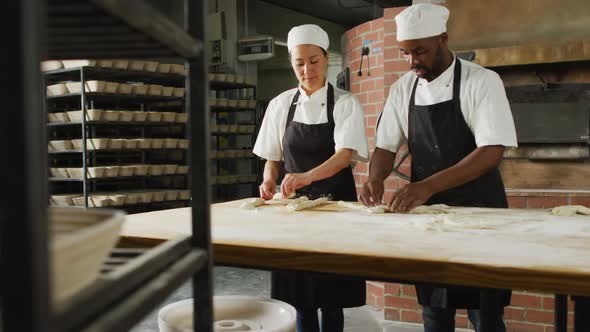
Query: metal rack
<point>87,129</point>
<point>93,29</point>
<point>228,191</point>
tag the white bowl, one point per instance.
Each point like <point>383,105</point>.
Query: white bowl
<point>232,313</point>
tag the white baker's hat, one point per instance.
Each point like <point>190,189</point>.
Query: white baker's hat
<point>308,34</point>
<point>421,21</point>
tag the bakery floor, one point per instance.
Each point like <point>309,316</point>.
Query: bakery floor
<point>234,281</point>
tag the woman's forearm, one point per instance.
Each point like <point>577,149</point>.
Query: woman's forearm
<point>337,162</point>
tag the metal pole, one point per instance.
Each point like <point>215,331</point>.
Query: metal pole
<point>25,280</point>
<point>197,87</point>
<point>581,313</point>
<point>560,313</point>
<point>84,136</point>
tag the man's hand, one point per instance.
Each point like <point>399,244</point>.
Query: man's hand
<point>267,189</point>
<point>410,196</point>
<point>294,181</point>
<point>372,193</point>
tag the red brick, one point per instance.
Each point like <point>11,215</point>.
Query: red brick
<point>391,53</point>
<point>375,288</point>
<point>355,88</point>
<point>361,168</point>
<point>380,302</point>
<point>548,302</point>
<point>391,314</point>
<point>371,121</point>
<point>351,33</point>
<point>389,80</point>
<point>391,183</point>
<point>524,327</point>
<point>461,322</point>
<point>580,201</point>
<point>537,316</point>
<point>400,302</point>
<point>368,85</point>
<point>372,36</point>
<point>530,300</point>
<point>370,132</point>
<point>409,290</point>
<point>396,66</point>
<point>362,97</point>
<point>376,24</point>
<point>365,27</point>
<point>392,289</point>
<point>546,201</point>
<point>356,43</point>
<point>390,13</point>
<point>511,313</point>
<point>360,178</point>
<point>389,26</point>
<point>516,202</point>
<point>377,72</point>
<point>370,110</point>
<point>549,329</point>
<point>376,96</point>
<point>411,316</point>
<point>390,41</point>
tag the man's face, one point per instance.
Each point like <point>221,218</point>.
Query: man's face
<point>425,55</point>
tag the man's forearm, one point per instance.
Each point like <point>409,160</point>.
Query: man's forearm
<point>476,164</point>
<point>271,170</point>
<point>381,164</point>
<point>338,161</point>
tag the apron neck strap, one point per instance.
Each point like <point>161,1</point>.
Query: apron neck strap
<point>330,105</point>
<point>456,85</point>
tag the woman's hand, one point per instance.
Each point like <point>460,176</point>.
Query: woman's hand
<point>267,189</point>
<point>294,181</point>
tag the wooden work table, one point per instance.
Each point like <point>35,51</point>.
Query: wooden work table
<point>499,248</point>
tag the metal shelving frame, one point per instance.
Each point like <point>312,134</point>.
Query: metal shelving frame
<point>216,110</point>
<point>93,29</point>
<point>82,75</point>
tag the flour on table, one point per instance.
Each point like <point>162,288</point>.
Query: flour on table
<point>356,206</point>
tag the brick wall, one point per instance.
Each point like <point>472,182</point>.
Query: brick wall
<point>529,312</point>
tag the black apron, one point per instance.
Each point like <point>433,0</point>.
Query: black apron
<point>438,138</point>
<point>305,147</point>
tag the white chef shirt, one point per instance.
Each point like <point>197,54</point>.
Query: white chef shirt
<point>484,106</point>
<point>349,130</point>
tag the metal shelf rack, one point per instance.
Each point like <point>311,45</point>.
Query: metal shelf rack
<point>233,166</point>
<point>72,29</point>
<point>88,100</point>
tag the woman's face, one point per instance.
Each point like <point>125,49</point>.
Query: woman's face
<point>309,64</point>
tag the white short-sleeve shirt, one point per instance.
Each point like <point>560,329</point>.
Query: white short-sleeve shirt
<point>349,130</point>
<point>484,105</point>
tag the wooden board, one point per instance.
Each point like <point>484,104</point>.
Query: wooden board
<point>526,174</point>
<point>503,248</point>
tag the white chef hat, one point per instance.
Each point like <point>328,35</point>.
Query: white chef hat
<point>421,21</point>
<point>308,34</point>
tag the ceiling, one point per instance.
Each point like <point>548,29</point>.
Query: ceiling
<point>348,13</point>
